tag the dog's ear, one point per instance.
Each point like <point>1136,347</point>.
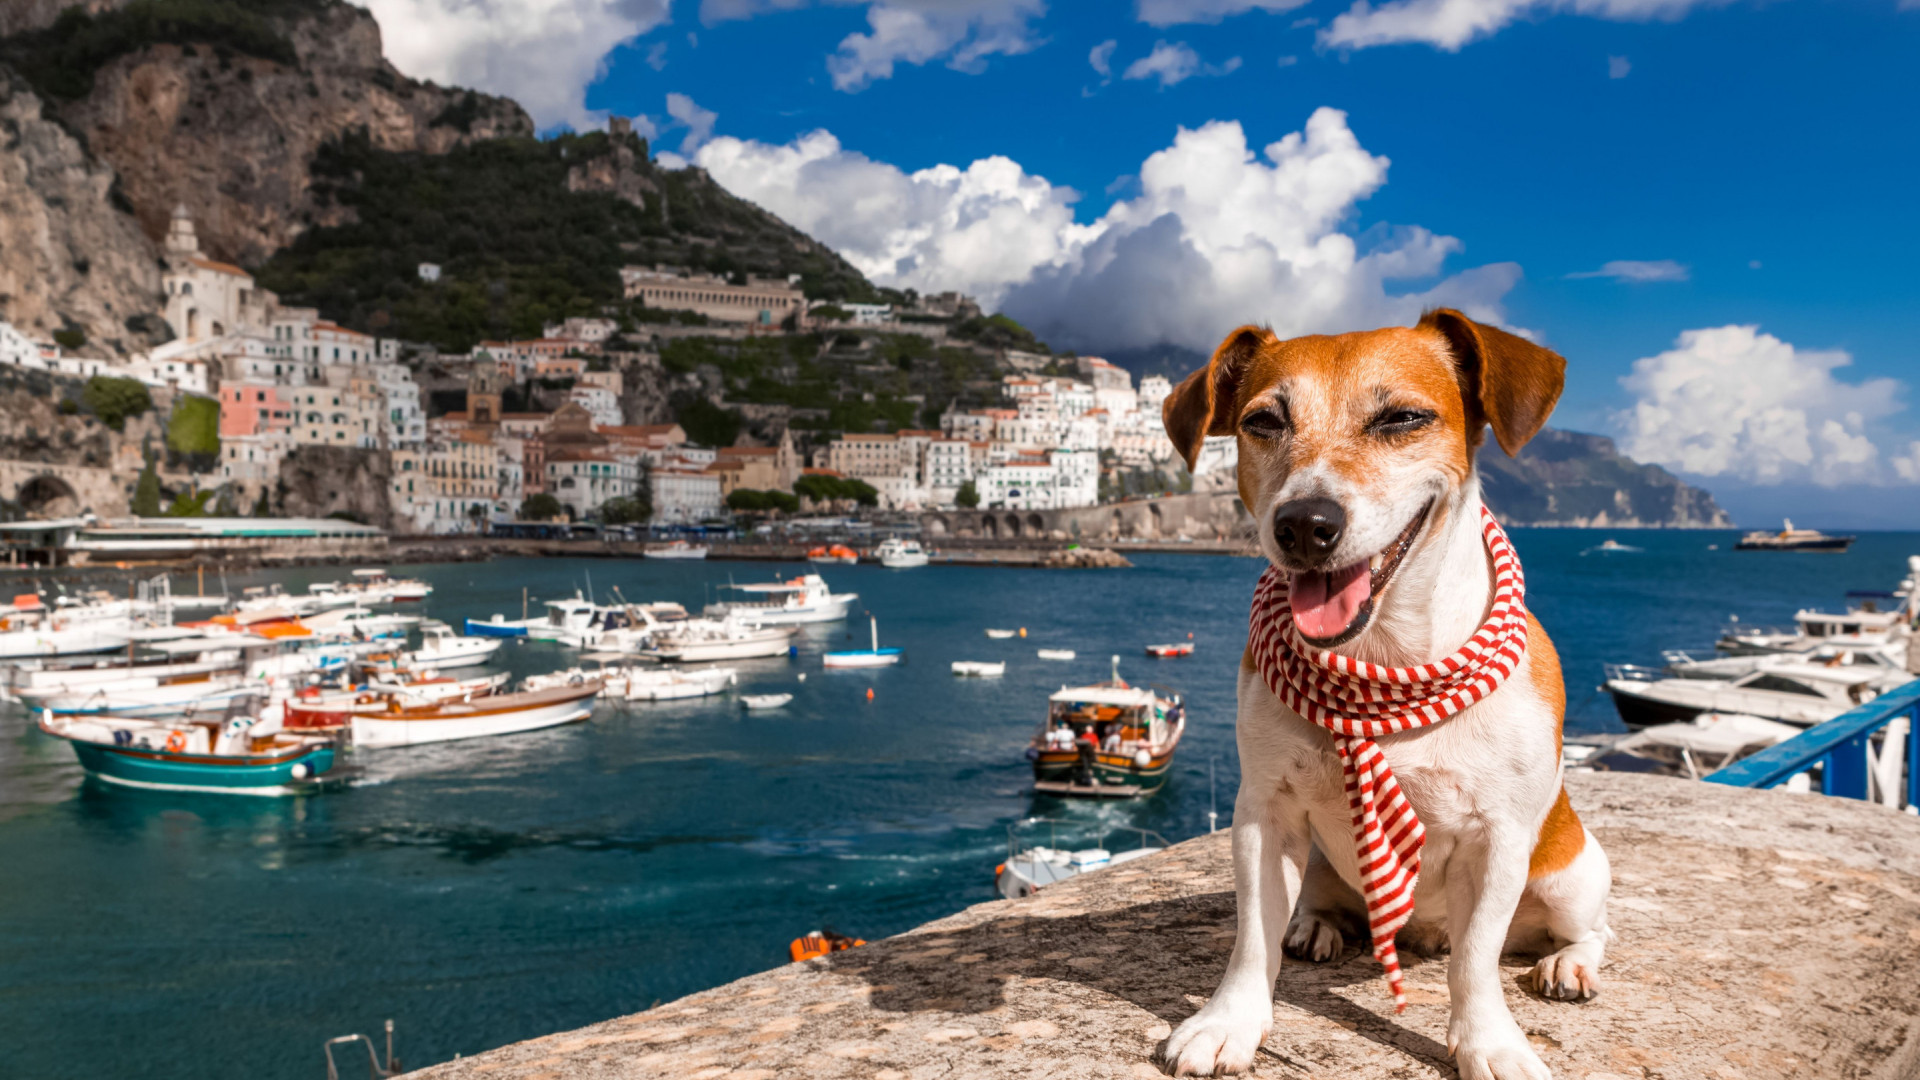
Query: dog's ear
<point>1202,404</point>
<point>1509,382</point>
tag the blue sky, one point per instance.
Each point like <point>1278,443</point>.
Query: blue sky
<point>1755,161</point>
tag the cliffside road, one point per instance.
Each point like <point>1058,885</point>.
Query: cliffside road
<point>1760,935</point>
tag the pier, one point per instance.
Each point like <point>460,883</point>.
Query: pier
<point>1760,934</point>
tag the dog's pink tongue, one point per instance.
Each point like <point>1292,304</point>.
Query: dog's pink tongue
<point>1324,604</point>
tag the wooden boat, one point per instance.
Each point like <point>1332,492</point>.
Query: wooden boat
<point>314,709</point>
<point>625,681</point>
<point>1056,654</point>
<point>499,714</point>
<point>1108,740</point>
<point>764,701</point>
<point>980,668</point>
<point>838,553</point>
<point>700,640</point>
<point>216,756</point>
<point>1182,648</point>
<point>864,658</point>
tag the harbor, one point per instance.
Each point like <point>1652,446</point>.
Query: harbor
<point>484,890</point>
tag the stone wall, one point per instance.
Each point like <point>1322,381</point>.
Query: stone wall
<point>1761,935</point>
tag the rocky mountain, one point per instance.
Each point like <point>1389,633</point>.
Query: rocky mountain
<point>1574,479</point>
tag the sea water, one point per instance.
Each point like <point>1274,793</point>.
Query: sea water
<point>483,892</point>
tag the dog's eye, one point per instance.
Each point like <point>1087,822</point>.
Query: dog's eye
<point>1400,421</point>
<point>1264,424</point>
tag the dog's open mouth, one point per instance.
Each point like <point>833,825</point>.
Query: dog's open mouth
<point>1331,606</point>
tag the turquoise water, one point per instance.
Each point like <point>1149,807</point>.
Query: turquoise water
<point>484,892</point>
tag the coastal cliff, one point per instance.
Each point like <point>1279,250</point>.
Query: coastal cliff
<point>1762,935</point>
<point>1570,478</point>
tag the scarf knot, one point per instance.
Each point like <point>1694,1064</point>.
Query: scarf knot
<point>1357,702</point>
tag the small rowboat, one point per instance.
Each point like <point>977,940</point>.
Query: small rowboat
<point>980,668</point>
<point>1183,648</point>
<point>821,943</point>
<point>864,658</point>
<point>1056,654</point>
<point>1000,634</point>
<point>764,701</point>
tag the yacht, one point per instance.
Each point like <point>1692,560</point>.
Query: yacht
<point>676,549</point>
<point>1799,694</point>
<point>897,554</point>
<point>805,599</point>
<point>1792,539</point>
<point>441,647</point>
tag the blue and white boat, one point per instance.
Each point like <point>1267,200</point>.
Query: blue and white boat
<point>865,658</point>
<point>224,757</point>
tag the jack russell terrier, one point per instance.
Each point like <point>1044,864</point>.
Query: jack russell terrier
<point>1400,711</point>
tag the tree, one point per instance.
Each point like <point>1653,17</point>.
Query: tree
<point>747,500</point>
<point>114,400</point>
<point>836,489</point>
<point>541,507</point>
<point>707,424</point>
<point>967,497</point>
<point>625,510</point>
<point>146,492</point>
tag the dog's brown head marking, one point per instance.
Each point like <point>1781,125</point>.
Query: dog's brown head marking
<point>1350,445</point>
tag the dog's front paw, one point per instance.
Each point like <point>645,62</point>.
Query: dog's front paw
<point>1495,1052</point>
<point>1311,936</point>
<point>1221,1039</point>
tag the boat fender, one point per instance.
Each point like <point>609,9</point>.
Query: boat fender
<point>1142,759</point>
<point>1033,753</point>
<point>176,742</point>
<point>300,770</point>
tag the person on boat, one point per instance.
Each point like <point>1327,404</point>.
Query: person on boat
<point>1111,744</point>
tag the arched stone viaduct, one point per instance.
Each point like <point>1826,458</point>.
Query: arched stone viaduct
<point>52,491</point>
<point>1195,517</point>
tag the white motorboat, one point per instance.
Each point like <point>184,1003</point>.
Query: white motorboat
<point>357,623</point>
<point>1690,748</point>
<point>980,668</point>
<point>166,700</point>
<point>441,647</point>
<point>729,638</point>
<point>805,599</point>
<point>45,640</point>
<point>1029,870</point>
<point>1056,654</point>
<point>1814,629</point>
<point>1001,635</point>
<point>1795,694</point>
<point>764,701</point>
<point>897,554</point>
<point>625,681</point>
<point>499,714</point>
<point>1887,661</point>
<point>676,549</point>
<point>625,627</point>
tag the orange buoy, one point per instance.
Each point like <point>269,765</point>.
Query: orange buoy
<point>869,693</point>
<point>1023,631</point>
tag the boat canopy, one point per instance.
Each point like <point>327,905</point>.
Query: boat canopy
<point>190,646</point>
<point>1125,697</point>
<point>796,585</point>
<point>369,572</point>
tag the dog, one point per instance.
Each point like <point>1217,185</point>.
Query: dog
<point>1358,450</point>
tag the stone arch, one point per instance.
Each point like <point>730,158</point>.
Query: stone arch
<point>1036,524</point>
<point>936,526</point>
<point>1013,524</point>
<point>47,495</point>
<point>1118,526</point>
<point>193,324</point>
<point>1157,523</point>
<point>990,526</point>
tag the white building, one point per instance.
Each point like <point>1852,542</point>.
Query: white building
<point>602,403</point>
<point>1154,390</point>
<point>429,272</point>
<point>591,331</point>
<point>404,422</point>
<point>251,463</point>
<point>949,465</point>
<point>684,495</point>
<point>1020,484</point>
<point>584,478</point>
<point>17,348</point>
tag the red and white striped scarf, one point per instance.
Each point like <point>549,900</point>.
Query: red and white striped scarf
<point>1358,702</point>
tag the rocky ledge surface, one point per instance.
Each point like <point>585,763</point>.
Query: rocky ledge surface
<point>1761,935</point>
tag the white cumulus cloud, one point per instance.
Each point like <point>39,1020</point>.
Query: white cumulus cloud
<point>1176,63</point>
<point>1101,57</point>
<point>1218,235</point>
<point>1637,271</point>
<point>1449,24</point>
<point>1172,12</point>
<point>698,121</point>
<point>1732,401</point>
<point>963,32</point>
<point>542,53</point>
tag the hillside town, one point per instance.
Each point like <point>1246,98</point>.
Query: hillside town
<point>287,378</point>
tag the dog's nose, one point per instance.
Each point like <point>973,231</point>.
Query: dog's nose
<point>1308,529</point>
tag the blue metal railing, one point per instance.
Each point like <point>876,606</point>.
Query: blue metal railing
<point>1841,746</point>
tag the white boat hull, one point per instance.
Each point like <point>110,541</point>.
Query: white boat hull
<point>672,685</point>
<point>373,731</point>
<point>20,644</point>
<point>700,651</point>
<point>832,610</point>
<point>859,660</point>
<point>461,652</point>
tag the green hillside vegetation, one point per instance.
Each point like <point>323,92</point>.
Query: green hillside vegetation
<point>193,428</point>
<point>60,61</point>
<point>517,248</point>
<point>830,376</point>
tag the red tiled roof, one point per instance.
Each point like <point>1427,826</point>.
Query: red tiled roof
<point>220,267</point>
